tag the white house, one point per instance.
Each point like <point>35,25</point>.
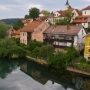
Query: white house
<point>64,36</point>
<point>86,11</point>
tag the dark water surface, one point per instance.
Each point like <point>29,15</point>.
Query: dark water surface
<point>23,74</point>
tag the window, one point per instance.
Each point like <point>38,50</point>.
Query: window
<point>88,50</point>
<point>82,32</point>
<point>85,12</point>
<point>23,34</point>
<point>89,42</point>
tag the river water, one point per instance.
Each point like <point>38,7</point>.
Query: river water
<point>25,74</point>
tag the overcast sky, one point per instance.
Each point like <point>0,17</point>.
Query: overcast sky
<point>19,8</point>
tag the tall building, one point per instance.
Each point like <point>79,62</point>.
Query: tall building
<point>67,6</point>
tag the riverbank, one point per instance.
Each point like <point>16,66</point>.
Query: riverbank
<point>40,61</point>
<point>77,71</point>
<point>43,62</point>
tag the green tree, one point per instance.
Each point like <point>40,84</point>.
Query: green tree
<point>57,60</point>
<point>67,19</point>
<point>33,44</point>
<point>46,14</point>
<point>26,16</point>
<point>72,54</point>
<point>18,25</point>
<point>34,12</point>
<point>3,29</point>
<point>46,51</point>
<point>68,16</point>
<point>8,48</point>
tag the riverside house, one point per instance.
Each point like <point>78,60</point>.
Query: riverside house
<point>64,36</point>
<point>33,31</point>
<point>87,47</point>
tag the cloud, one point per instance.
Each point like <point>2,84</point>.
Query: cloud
<point>34,5</point>
<point>2,7</point>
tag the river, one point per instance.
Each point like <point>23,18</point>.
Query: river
<point>23,74</point>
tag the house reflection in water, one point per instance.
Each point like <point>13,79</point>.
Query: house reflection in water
<point>42,75</point>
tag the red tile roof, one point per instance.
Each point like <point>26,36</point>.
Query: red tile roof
<point>31,26</point>
<point>87,8</point>
<point>42,12</point>
<point>79,12</point>
<point>63,30</point>
<point>17,32</point>
<point>51,15</point>
<point>81,19</point>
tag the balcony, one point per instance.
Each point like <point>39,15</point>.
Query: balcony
<point>57,46</point>
<point>60,40</point>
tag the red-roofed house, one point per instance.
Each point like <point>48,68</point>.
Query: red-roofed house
<point>86,11</point>
<point>33,31</point>
<point>42,13</point>
<point>17,34</point>
<point>82,20</point>
<point>63,36</point>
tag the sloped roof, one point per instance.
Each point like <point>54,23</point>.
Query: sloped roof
<point>66,11</point>
<point>87,8</point>
<point>17,32</point>
<point>42,12</point>
<point>31,26</point>
<point>81,19</point>
<point>79,12</point>
<point>63,30</point>
<point>51,15</point>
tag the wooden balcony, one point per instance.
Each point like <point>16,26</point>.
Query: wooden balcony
<point>60,40</point>
<point>57,46</point>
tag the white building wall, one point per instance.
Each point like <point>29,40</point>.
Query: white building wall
<point>86,12</point>
<point>81,35</point>
<point>56,14</point>
<point>75,40</point>
<point>41,15</point>
<point>85,25</point>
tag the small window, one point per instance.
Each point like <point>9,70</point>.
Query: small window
<point>88,50</point>
<point>88,58</point>
<point>85,12</point>
<point>23,34</point>
<point>89,43</point>
<point>82,32</point>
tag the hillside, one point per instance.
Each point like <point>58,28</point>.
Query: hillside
<point>10,20</point>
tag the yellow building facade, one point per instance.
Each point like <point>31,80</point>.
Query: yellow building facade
<point>87,47</point>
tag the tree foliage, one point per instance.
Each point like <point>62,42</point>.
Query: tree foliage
<point>46,14</point>
<point>3,29</point>
<point>34,12</point>
<point>26,16</point>
<point>72,54</point>
<point>67,19</point>
<point>46,51</point>
<point>18,25</point>
<point>8,48</point>
<point>58,60</point>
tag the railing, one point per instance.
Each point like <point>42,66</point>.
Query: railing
<point>61,40</point>
<point>58,46</point>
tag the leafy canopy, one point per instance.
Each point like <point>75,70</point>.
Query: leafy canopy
<point>34,12</point>
<point>3,29</point>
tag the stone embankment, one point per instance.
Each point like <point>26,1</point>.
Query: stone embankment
<point>77,71</point>
<point>41,61</point>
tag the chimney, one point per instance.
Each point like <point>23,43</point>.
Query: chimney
<point>68,27</point>
<point>54,26</point>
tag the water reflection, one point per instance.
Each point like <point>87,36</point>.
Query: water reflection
<point>28,75</point>
<point>43,75</point>
<point>7,66</point>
